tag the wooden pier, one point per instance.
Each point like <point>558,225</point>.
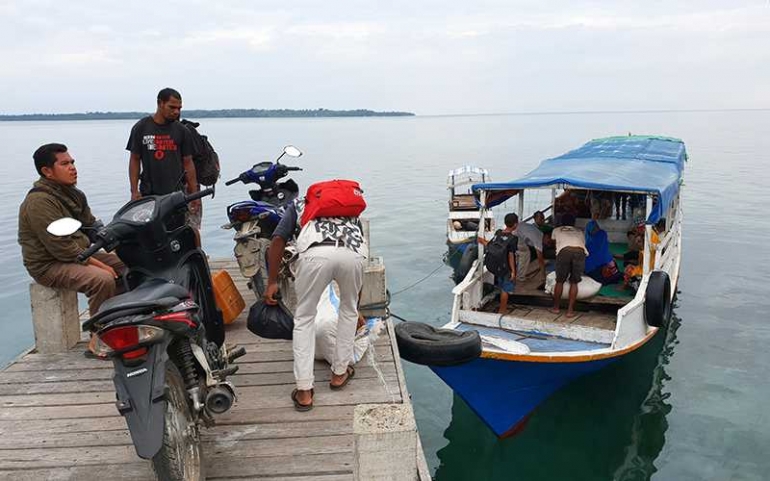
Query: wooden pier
<point>58,419</point>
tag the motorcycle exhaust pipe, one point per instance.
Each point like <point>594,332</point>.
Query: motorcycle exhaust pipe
<point>220,399</point>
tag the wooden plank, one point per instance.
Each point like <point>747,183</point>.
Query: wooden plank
<point>299,447</point>
<point>138,470</point>
<point>220,436</point>
<point>59,412</point>
<point>370,390</point>
<point>310,465</point>
<point>243,413</point>
<point>59,426</point>
<point>56,387</point>
<point>101,375</point>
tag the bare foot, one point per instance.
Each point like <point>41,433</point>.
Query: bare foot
<point>570,315</point>
<point>554,310</point>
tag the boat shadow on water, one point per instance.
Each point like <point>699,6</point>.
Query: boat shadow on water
<point>607,425</point>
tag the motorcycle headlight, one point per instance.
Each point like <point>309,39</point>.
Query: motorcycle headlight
<point>140,212</point>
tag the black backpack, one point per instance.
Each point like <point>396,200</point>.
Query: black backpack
<point>496,253</point>
<point>205,157</point>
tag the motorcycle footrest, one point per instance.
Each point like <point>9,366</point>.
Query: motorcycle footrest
<point>236,353</point>
<point>223,373</point>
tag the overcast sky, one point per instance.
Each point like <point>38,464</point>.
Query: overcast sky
<point>428,57</point>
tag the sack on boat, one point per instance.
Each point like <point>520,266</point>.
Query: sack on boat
<point>206,159</point>
<point>270,322</point>
<point>333,198</point>
<point>587,287</point>
<point>496,253</point>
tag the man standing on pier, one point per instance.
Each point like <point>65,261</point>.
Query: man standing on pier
<point>50,260</point>
<point>161,159</point>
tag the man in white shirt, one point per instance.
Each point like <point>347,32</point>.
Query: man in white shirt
<point>570,261</point>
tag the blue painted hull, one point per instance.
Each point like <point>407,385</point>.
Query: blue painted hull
<point>504,393</point>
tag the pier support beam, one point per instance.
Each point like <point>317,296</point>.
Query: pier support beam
<point>54,318</point>
<point>385,443</point>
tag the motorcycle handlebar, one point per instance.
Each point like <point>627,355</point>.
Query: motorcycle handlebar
<point>293,168</point>
<point>199,194</point>
<point>232,181</point>
<point>91,250</point>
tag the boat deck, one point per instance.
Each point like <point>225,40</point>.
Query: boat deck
<point>58,418</point>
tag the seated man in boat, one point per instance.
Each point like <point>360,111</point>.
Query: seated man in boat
<point>51,260</point>
<point>549,246</point>
<point>570,261</point>
<point>530,245</point>
<point>500,258</point>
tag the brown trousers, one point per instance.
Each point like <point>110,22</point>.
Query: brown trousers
<point>94,282</point>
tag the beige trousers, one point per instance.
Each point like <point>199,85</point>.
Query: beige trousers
<point>316,268</point>
<point>94,282</point>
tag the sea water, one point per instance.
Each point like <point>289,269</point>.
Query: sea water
<point>691,405</point>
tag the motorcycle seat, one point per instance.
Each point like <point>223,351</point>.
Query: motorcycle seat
<point>150,295</point>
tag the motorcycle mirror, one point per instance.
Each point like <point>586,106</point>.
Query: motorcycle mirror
<point>292,151</point>
<point>64,226</point>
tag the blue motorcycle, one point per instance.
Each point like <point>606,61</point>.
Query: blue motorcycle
<point>255,220</point>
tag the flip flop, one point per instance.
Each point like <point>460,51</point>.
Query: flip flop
<point>298,405</point>
<point>350,373</point>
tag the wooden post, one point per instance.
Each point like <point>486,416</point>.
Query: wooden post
<point>385,443</point>
<point>54,318</point>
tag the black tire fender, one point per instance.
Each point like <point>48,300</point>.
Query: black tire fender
<point>657,299</point>
<point>423,344</point>
<point>470,254</point>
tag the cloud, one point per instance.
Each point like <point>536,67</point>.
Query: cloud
<point>433,56</point>
<point>259,39</point>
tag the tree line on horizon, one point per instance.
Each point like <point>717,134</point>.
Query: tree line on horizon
<point>204,114</point>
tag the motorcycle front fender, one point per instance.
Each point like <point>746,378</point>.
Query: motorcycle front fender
<point>141,399</point>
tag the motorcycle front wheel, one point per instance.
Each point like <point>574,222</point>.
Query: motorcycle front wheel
<point>180,458</point>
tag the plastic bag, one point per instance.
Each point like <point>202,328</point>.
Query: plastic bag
<point>270,322</point>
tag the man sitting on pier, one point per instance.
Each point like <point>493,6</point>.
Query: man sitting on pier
<point>51,260</point>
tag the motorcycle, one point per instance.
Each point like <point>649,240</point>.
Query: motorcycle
<point>164,335</point>
<point>255,220</point>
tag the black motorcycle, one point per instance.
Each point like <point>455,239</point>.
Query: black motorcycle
<point>164,335</point>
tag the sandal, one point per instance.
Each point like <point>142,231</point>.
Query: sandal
<point>350,373</point>
<point>298,405</point>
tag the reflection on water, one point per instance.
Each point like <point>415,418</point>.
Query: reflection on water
<point>608,425</point>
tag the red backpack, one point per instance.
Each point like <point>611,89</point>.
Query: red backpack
<point>333,198</point>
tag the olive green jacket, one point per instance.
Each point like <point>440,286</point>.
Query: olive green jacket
<point>51,201</point>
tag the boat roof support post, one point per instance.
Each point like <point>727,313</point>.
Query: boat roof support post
<point>521,205</point>
<point>553,205</point>
<point>482,223</point>
<point>648,247</point>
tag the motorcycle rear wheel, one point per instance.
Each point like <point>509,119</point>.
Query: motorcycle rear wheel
<point>180,458</point>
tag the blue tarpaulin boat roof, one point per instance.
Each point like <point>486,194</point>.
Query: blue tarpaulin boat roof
<point>644,164</point>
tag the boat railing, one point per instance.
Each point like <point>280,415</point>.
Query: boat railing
<point>467,294</point>
<point>667,248</point>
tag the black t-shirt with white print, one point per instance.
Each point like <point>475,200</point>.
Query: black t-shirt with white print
<point>161,149</point>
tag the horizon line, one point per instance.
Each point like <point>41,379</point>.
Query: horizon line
<point>404,113</point>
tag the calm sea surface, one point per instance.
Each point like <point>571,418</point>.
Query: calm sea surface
<point>692,406</point>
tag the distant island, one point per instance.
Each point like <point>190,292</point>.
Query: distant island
<point>210,114</point>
